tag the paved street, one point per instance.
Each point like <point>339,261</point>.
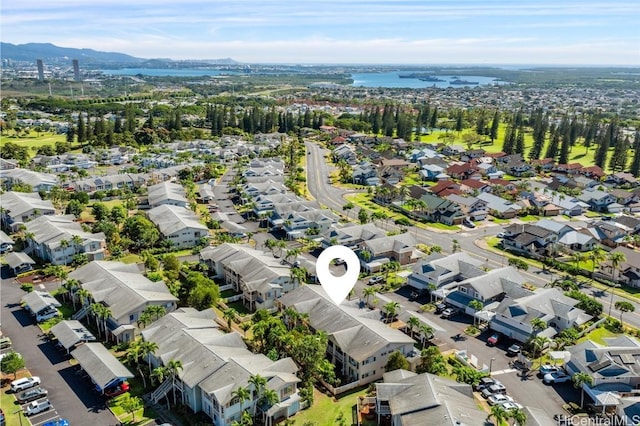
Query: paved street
<point>72,396</point>
<point>327,194</point>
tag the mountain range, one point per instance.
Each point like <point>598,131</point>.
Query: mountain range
<point>51,53</point>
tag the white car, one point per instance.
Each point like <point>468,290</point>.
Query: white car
<point>47,314</point>
<point>557,377</point>
<point>25,383</point>
<point>499,398</point>
<point>508,406</point>
<point>36,407</point>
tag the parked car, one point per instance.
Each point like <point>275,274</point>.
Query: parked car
<point>59,422</point>
<point>339,261</point>
<point>25,383</point>
<point>514,349</point>
<point>548,368</point>
<point>440,307</point>
<point>468,223</point>
<point>493,339</point>
<point>36,407</point>
<point>508,406</point>
<point>557,377</point>
<point>499,398</point>
<point>501,235</point>
<point>493,389</point>
<point>485,382</point>
<point>5,342</point>
<point>449,312</point>
<point>116,390</point>
<point>375,280</point>
<point>31,395</point>
<point>47,314</point>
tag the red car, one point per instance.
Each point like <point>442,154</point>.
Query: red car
<point>494,339</point>
<point>117,390</point>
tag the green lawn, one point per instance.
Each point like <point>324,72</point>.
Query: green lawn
<point>326,411</point>
<point>529,218</point>
<point>578,153</point>
<point>35,141</point>
<point>142,416</point>
<point>9,406</point>
<point>131,258</point>
<point>597,335</point>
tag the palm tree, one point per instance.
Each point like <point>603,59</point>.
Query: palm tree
<point>391,309</point>
<point>537,324</point>
<point>616,258</point>
<point>77,242</point>
<point>174,367</point>
<point>147,348</point>
<point>155,310</point>
<point>367,293</point>
<point>413,323</point>
<point>292,253</point>
<point>519,416</point>
<point>95,309</point>
<point>455,245</point>
<point>64,244</point>
<point>579,380</point>
<point>230,314</point>
<point>624,306</point>
<point>426,332</point>
<point>243,394</point>
<point>538,343</point>
<point>596,256</point>
<point>499,415</point>
<point>84,295</point>
<point>159,373</point>
<point>259,384</point>
<point>577,258</point>
<point>268,399</point>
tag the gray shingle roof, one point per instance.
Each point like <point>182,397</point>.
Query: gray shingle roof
<point>100,364</point>
<point>121,287</point>
<point>39,300</point>
<point>171,219</point>
<point>71,332</point>
<point>166,191</point>
<point>18,203</point>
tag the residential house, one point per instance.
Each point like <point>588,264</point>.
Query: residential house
<point>531,239</point>
<point>284,210</point>
<point>437,270</point>
<point>125,291</point>
<point>178,225</point>
<point>258,276</point>
<point>628,272</point>
<point>621,178</point>
<point>365,174</point>
<point>308,223</point>
<point>351,236</point>
<point>57,239</point>
<point>346,153</point>
<point>441,210</point>
<point>462,171</point>
<point>21,207</point>
<point>167,193</point>
<point>599,201</point>
<point>263,205</point>
<point>400,248</point>
<point>405,398</point>
<point>431,172</point>
<point>474,186</point>
<point>609,233</point>
<point>630,223</point>
<point>19,262</point>
<point>513,315</point>
<point>594,172</point>
<point>614,368</point>
<point>487,288</point>
<point>499,207</point>
<point>472,207</point>
<point>214,365</point>
<point>625,198</point>
<point>569,206</point>
<point>444,188</point>
<point>359,343</point>
<point>36,180</point>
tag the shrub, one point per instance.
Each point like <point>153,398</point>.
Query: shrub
<point>28,287</point>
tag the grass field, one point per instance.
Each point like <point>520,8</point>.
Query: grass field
<point>34,141</point>
<point>578,154</point>
<point>326,411</point>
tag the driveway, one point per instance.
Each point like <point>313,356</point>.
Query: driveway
<point>72,396</point>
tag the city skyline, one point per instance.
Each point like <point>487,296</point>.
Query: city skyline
<point>332,31</point>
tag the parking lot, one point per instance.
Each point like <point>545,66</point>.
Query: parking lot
<point>71,396</point>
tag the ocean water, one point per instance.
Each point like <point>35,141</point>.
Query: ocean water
<point>393,80</point>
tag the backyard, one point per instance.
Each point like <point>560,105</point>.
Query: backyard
<point>328,411</point>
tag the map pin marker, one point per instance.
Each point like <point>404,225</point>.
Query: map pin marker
<point>337,287</point>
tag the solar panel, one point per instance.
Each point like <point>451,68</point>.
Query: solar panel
<point>599,365</point>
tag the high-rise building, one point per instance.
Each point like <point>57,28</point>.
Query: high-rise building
<point>76,70</point>
<point>40,70</point>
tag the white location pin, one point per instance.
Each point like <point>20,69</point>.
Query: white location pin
<point>338,287</point>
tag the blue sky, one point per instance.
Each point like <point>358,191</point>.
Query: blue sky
<point>594,32</point>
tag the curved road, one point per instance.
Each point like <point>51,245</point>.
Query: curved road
<point>326,194</point>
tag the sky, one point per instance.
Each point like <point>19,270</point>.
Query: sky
<point>585,32</point>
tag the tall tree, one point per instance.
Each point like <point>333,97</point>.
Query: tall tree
<point>635,163</point>
<point>579,380</point>
<point>495,126</point>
